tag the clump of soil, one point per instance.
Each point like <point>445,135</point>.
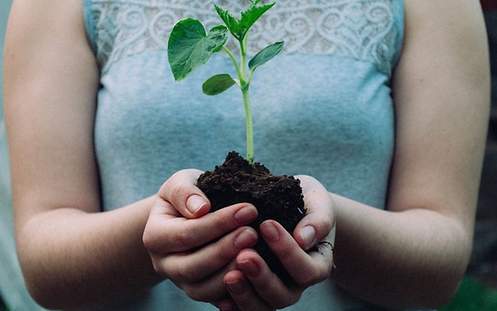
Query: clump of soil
<point>276,197</point>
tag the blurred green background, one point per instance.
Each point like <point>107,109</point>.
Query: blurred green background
<point>478,291</point>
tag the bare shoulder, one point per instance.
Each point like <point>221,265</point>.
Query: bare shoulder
<point>455,27</point>
<point>49,10</point>
<point>35,24</point>
<point>442,11</point>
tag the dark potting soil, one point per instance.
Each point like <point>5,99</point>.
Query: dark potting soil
<point>276,197</point>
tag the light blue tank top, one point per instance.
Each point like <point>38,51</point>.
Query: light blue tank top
<point>322,108</point>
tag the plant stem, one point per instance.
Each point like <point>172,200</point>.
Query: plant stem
<point>244,86</point>
<point>251,75</point>
<point>243,56</point>
<point>233,60</point>
<point>248,126</point>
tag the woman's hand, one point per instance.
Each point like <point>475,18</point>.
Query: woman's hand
<point>196,252</point>
<point>253,286</point>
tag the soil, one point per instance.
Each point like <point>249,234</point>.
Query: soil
<point>276,197</point>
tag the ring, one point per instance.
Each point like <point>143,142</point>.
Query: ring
<point>332,248</point>
<point>329,244</point>
<point>326,244</point>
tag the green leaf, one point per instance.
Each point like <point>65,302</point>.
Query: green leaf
<point>251,15</point>
<point>229,20</point>
<point>265,55</point>
<point>189,46</point>
<point>240,28</point>
<point>221,31</point>
<point>217,84</point>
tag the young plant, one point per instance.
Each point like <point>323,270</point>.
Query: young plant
<point>190,46</point>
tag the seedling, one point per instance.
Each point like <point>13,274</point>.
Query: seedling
<point>190,46</point>
<point>238,180</point>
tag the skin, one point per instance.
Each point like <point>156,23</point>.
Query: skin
<point>173,235</point>
<point>441,90</point>
<point>413,254</point>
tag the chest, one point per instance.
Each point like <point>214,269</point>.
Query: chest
<point>322,107</point>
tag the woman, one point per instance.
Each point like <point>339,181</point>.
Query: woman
<point>102,205</point>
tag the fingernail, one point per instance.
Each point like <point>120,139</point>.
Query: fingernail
<point>195,203</point>
<point>237,287</point>
<point>270,231</point>
<point>245,215</point>
<point>308,234</point>
<point>246,238</point>
<point>250,268</point>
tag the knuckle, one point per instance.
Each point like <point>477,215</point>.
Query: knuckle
<point>178,190</point>
<point>305,281</point>
<point>184,238</point>
<point>326,272</point>
<point>226,251</point>
<point>149,240</point>
<point>162,190</point>
<point>166,186</point>
<point>308,279</point>
<point>326,224</point>
<point>315,275</point>
<point>323,271</point>
<point>156,267</point>
<point>174,272</point>
<point>157,264</point>
<point>194,293</point>
<point>179,175</point>
<point>285,250</point>
<point>176,185</point>
<point>319,274</point>
<point>222,222</point>
<point>184,273</point>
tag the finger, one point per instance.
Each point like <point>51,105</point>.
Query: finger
<point>319,219</point>
<point>195,266</point>
<point>324,252</point>
<point>163,208</point>
<point>167,234</point>
<point>265,283</point>
<point>303,268</point>
<point>210,289</point>
<point>242,293</point>
<point>181,190</point>
<point>161,212</point>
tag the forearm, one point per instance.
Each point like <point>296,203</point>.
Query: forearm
<point>72,258</point>
<point>398,259</point>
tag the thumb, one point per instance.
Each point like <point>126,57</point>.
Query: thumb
<point>319,220</point>
<point>180,190</point>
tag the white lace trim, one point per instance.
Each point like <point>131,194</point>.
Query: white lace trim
<point>362,29</point>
